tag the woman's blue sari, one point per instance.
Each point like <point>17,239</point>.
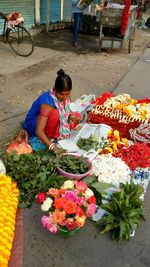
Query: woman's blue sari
<point>30,121</point>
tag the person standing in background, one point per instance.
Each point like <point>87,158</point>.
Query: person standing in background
<point>77,10</point>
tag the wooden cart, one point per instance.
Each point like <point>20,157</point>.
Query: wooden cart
<point>109,32</point>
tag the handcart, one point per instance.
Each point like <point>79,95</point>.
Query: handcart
<point>110,20</point>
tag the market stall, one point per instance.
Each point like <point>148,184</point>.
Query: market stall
<point>104,171</point>
<point>114,23</point>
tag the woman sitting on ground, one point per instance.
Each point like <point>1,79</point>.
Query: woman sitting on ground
<point>48,117</point>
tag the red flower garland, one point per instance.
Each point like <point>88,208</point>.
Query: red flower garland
<point>102,98</point>
<point>125,16</point>
<point>123,128</point>
<point>144,100</point>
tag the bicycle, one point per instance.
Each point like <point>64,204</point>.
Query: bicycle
<point>18,37</point>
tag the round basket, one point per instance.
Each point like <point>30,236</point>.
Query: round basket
<point>73,176</point>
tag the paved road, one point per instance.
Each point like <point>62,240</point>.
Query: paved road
<point>89,248</point>
<point>137,81</point>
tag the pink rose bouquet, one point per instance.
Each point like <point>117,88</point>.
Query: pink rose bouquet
<point>67,207</point>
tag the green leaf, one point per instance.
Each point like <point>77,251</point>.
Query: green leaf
<point>123,229</point>
<point>107,228</point>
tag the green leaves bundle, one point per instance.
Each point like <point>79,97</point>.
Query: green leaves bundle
<point>33,172</point>
<point>88,143</point>
<point>73,164</point>
<point>125,209</point>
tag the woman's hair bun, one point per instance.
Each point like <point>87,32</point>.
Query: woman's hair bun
<point>61,72</point>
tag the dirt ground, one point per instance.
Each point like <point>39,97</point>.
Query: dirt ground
<point>92,72</point>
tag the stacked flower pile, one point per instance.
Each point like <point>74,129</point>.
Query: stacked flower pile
<point>136,155</point>
<point>67,207</point>
<point>8,202</point>
<point>115,142</point>
<point>121,112</point>
<point>110,170</point>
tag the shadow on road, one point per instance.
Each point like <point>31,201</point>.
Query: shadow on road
<point>62,41</point>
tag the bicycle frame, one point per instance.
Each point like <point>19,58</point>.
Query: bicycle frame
<point>4,35</point>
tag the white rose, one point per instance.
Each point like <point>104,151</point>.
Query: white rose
<point>89,193</point>
<point>47,204</point>
<point>68,184</point>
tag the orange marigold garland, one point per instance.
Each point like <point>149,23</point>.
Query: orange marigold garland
<point>9,194</point>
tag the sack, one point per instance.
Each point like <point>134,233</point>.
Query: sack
<point>20,144</point>
<point>14,16</point>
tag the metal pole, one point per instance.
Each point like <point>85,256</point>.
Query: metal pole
<point>37,12</point>
<point>47,15</point>
<point>61,10</point>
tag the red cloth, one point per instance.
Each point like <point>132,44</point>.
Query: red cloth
<point>16,259</point>
<point>52,126</point>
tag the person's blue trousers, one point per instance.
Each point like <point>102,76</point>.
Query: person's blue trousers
<point>77,24</point>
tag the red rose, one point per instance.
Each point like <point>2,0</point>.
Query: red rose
<point>40,198</point>
<point>79,211</point>
<point>92,200</point>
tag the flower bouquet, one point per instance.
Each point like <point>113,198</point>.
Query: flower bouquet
<point>67,207</point>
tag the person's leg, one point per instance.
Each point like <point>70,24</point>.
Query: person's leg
<point>80,20</point>
<point>77,22</point>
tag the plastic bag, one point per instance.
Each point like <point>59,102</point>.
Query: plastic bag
<point>20,144</point>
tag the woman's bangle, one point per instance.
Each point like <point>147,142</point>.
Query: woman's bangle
<point>51,146</point>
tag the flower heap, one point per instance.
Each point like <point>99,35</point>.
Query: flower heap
<point>109,169</point>
<point>136,155</point>
<point>125,16</point>
<point>115,142</point>
<point>8,202</point>
<point>67,207</point>
<point>102,98</point>
<point>129,107</point>
<point>122,113</point>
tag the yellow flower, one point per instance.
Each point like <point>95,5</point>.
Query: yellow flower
<point>115,145</point>
<point>143,113</point>
<point>8,202</point>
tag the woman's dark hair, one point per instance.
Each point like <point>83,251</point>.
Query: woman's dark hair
<point>63,82</point>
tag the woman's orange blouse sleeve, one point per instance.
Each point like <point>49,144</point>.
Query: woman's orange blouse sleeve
<point>45,110</point>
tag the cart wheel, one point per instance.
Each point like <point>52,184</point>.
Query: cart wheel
<point>131,39</point>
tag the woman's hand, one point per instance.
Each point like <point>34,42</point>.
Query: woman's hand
<point>58,150</point>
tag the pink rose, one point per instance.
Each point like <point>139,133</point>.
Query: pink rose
<point>48,225</point>
<point>40,198</point>
<point>45,221</point>
<point>90,210</point>
<point>81,201</point>
<point>52,228</point>
<point>70,195</point>
<point>81,186</point>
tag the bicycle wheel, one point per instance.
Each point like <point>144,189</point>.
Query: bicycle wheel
<point>20,40</point>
